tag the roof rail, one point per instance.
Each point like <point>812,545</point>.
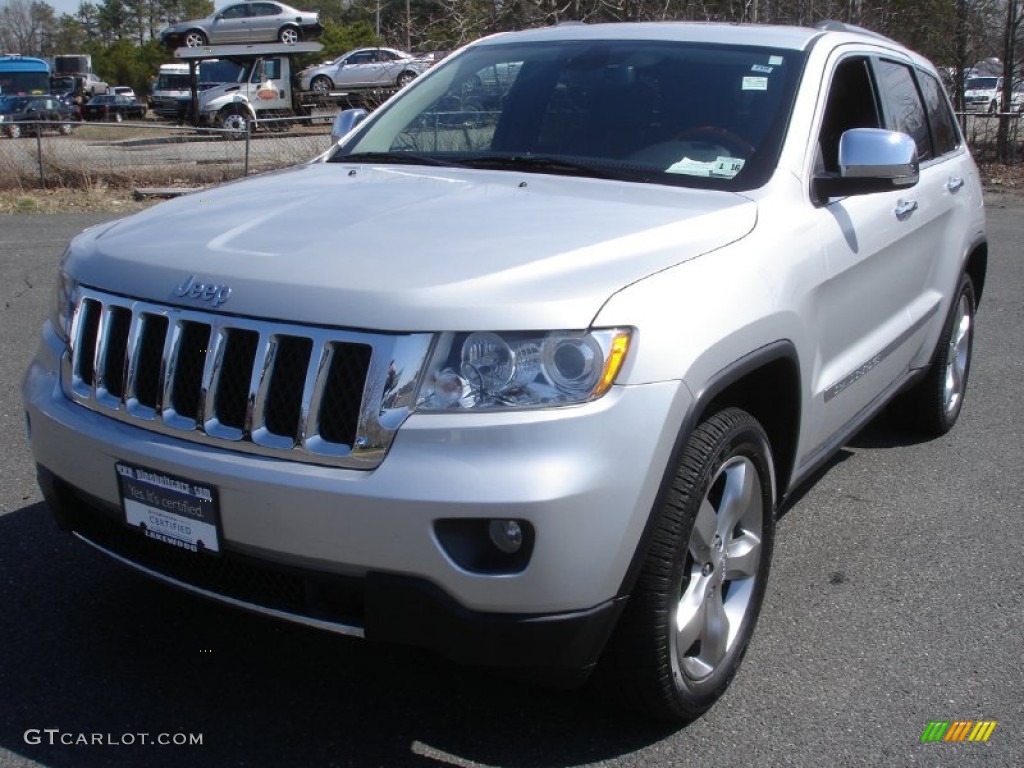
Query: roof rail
<point>831,25</point>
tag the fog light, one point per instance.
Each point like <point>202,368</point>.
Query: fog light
<point>506,535</point>
<point>486,546</point>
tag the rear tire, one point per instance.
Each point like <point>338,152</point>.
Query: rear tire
<point>933,405</point>
<point>14,130</point>
<point>289,35</point>
<point>692,613</point>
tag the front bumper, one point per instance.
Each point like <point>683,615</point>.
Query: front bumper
<point>172,39</point>
<point>583,478</point>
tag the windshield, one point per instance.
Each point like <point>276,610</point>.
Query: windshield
<point>663,112</point>
<point>982,84</point>
<point>173,82</point>
<point>14,83</point>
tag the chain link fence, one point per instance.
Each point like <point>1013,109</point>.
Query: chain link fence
<point>153,155</point>
<point>162,155</point>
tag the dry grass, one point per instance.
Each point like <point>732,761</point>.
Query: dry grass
<point>62,200</point>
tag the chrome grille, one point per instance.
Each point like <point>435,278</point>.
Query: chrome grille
<point>303,393</point>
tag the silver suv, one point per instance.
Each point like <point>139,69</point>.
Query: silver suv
<point>522,369</point>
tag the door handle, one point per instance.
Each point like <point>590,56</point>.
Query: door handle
<point>955,184</point>
<point>904,208</point>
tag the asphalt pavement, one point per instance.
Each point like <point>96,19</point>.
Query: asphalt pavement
<point>895,600</point>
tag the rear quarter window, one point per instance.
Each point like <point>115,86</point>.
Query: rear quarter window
<point>945,135</point>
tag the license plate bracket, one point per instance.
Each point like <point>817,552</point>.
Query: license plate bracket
<point>174,510</point>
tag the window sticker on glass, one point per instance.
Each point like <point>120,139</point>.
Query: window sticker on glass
<point>722,168</point>
<point>755,83</point>
<point>775,61</point>
<point>761,68</point>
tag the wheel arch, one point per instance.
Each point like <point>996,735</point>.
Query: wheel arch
<point>976,268</point>
<point>766,384</point>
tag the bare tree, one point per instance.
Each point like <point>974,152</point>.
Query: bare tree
<point>25,26</point>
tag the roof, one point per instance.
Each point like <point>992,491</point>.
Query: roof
<point>760,35</point>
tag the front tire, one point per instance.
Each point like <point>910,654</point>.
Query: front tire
<point>321,85</point>
<point>194,38</point>
<point>934,404</point>
<point>236,124</point>
<point>692,613</point>
<point>405,78</point>
<point>14,130</point>
<point>117,117</point>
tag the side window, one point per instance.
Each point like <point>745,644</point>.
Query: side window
<point>945,135</point>
<point>903,105</point>
<point>852,103</point>
<point>272,69</point>
<point>235,12</point>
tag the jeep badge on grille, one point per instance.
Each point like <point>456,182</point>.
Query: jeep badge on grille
<point>193,289</point>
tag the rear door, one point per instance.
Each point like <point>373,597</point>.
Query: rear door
<point>264,21</point>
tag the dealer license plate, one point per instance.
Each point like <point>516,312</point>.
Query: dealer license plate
<point>176,511</point>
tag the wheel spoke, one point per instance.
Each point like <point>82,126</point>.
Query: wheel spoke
<point>739,497</point>
<point>714,639</point>
<point>690,613</point>
<point>742,557</point>
<point>963,329</point>
<point>703,534</point>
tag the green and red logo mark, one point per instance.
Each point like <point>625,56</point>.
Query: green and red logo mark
<point>958,730</point>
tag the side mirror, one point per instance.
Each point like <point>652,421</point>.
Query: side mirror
<point>870,160</point>
<point>346,120</point>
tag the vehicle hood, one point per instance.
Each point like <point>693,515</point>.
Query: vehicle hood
<point>410,248</point>
<point>208,95</point>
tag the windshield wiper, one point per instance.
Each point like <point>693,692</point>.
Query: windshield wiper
<point>541,164</point>
<point>401,158</point>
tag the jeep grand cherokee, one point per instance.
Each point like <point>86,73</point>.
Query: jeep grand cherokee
<point>523,368</point>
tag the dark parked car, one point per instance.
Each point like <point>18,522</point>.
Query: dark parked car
<point>113,107</point>
<point>34,114</point>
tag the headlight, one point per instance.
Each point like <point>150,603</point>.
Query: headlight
<point>521,370</point>
<point>63,306</point>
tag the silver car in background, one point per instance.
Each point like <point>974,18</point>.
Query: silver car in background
<point>248,22</point>
<point>364,68</point>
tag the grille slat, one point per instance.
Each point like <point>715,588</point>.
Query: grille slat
<point>345,376</point>
<point>149,356</point>
<point>188,370</point>
<point>287,382</point>
<point>236,377</point>
<point>289,391</point>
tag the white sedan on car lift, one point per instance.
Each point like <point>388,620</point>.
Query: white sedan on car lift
<point>363,68</point>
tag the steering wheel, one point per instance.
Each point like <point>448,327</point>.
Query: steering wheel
<point>721,137</point>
